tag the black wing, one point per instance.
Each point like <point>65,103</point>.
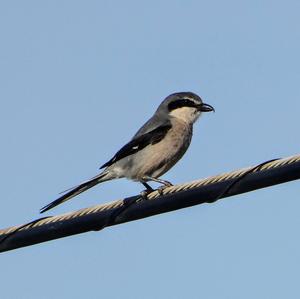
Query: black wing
<point>138,143</point>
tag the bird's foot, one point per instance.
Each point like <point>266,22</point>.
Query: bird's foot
<point>144,195</point>
<point>161,189</point>
<point>167,183</point>
<point>145,192</point>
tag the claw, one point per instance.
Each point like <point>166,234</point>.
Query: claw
<point>161,189</point>
<point>144,194</point>
<point>167,184</point>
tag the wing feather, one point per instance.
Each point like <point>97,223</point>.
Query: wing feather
<point>140,142</point>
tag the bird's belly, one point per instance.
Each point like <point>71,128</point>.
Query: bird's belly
<point>154,160</point>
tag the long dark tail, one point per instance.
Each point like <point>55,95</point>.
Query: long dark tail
<point>76,190</point>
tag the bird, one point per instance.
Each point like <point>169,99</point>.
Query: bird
<point>156,147</point>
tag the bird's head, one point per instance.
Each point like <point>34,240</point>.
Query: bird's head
<point>186,106</point>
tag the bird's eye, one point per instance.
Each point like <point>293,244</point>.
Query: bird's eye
<point>181,103</point>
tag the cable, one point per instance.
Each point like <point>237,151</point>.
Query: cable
<point>133,208</point>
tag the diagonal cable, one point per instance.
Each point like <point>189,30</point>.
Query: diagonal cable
<point>176,197</point>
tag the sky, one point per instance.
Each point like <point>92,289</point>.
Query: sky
<point>78,78</point>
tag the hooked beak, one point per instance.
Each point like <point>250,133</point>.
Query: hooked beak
<point>206,108</point>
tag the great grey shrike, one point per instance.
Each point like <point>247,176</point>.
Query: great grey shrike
<point>154,149</point>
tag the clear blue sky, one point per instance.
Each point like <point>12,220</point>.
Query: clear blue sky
<point>77,80</point>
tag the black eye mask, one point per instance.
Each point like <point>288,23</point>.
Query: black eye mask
<point>182,103</point>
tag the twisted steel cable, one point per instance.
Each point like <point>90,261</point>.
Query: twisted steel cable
<point>171,198</point>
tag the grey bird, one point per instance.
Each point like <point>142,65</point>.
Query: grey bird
<point>157,146</point>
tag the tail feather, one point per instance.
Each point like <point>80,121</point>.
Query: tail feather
<point>75,191</point>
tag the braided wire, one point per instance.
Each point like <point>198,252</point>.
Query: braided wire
<point>153,195</point>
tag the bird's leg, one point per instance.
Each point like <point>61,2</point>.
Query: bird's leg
<point>163,182</point>
<point>148,190</point>
<point>148,187</point>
